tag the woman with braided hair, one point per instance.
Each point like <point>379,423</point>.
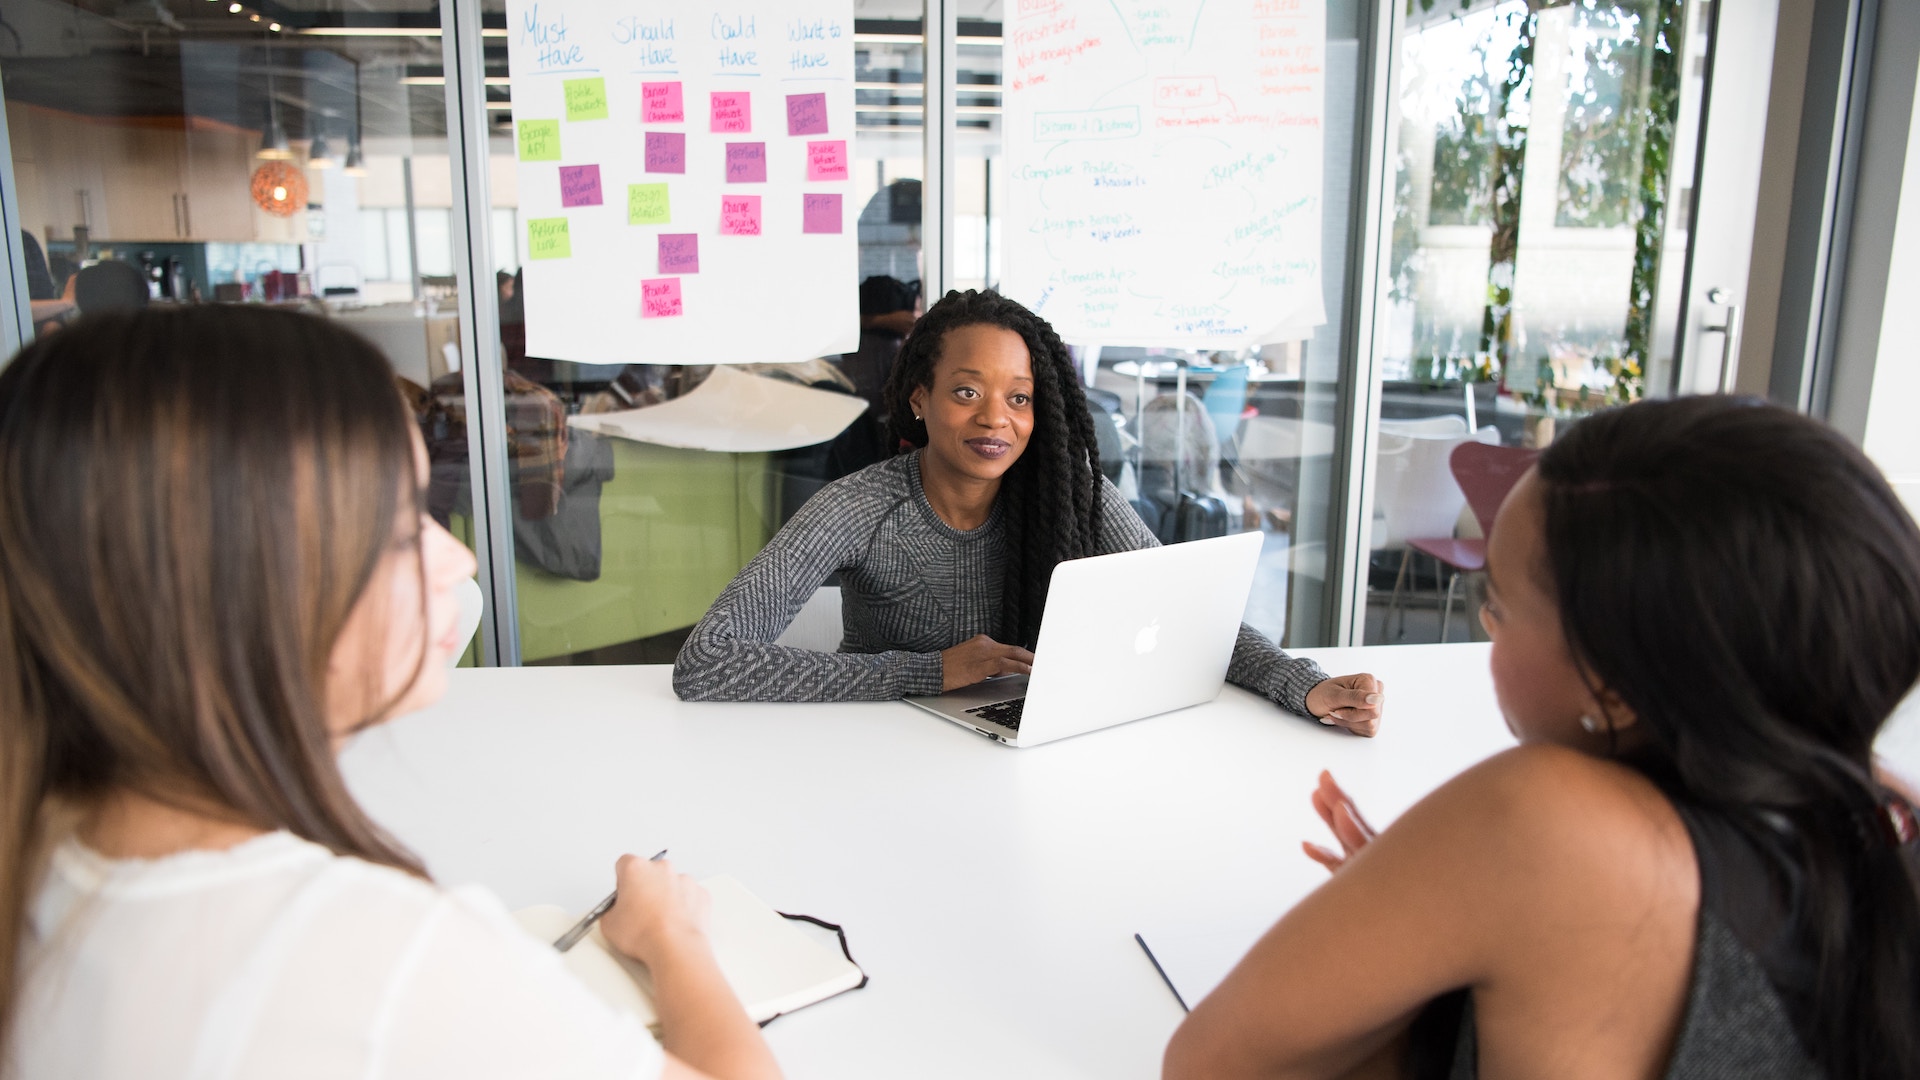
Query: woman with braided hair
<point>945,553</point>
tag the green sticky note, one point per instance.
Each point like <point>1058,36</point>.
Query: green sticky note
<point>539,139</point>
<point>586,99</point>
<point>647,204</point>
<point>547,238</point>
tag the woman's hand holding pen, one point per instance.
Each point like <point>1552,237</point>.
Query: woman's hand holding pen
<point>656,911</point>
<point>1354,702</point>
<point>980,658</point>
<point>1336,808</point>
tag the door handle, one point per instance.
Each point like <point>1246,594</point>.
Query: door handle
<point>186,215</point>
<point>1730,339</point>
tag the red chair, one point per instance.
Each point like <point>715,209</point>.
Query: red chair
<point>1485,474</point>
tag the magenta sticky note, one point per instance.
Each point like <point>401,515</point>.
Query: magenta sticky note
<point>679,253</point>
<point>661,103</point>
<point>820,213</point>
<point>666,152</point>
<point>806,114</point>
<point>732,111</point>
<point>739,215</point>
<point>827,160</point>
<point>746,163</point>
<point>659,297</point>
<point>580,185</point>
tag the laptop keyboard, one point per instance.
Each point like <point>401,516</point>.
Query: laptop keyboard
<point>1004,713</point>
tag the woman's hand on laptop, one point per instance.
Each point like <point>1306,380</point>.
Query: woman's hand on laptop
<point>980,658</point>
<point>1354,702</point>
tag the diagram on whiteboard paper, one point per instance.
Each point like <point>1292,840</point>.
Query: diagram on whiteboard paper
<point>1164,168</point>
<point>684,179</point>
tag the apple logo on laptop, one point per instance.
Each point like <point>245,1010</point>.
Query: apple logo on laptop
<point>1148,639</point>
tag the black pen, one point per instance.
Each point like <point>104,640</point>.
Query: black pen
<point>572,937</point>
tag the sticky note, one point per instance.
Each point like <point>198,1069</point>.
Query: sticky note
<point>827,160</point>
<point>586,98</point>
<point>739,215</point>
<point>732,111</point>
<point>647,204</point>
<point>820,213</point>
<point>547,238</point>
<point>666,152</point>
<point>659,297</point>
<point>661,103</point>
<point>746,163</point>
<point>679,253</point>
<point>806,114</point>
<point>539,139</point>
<point>580,185</point>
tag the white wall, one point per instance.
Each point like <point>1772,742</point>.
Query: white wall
<point>1892,436</point>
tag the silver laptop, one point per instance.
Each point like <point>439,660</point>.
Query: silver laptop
<point>1125,636</point>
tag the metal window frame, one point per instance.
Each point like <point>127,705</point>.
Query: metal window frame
<point>16,321</point>
<point>940,24</point>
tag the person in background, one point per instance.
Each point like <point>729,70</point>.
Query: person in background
<point>1703,610</point>
<point>888,308</point>
<point>945,554</point>
<point>216,568</point>
<point>110,285</point>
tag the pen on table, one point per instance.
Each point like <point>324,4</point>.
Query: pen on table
<point>572,937</point>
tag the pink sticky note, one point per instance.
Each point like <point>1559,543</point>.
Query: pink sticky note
<point>659,297</point>
<point>580,185</point>
<point>666,152</point>
<point>732,111</point>
<point>679,253</point>
<point>746,163</point>
<point>740,215</point>
<point>660,103</point>
<point>806,114</point>
<point>827,160</point>
<point>820,213</point>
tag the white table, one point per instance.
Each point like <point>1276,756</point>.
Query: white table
<point>990,893</point>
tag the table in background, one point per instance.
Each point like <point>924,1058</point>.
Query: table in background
<point>990,893</point>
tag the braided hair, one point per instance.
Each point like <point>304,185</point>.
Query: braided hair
<point>1049,499</point>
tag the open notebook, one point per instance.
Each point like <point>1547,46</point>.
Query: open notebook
<point>772,965</point>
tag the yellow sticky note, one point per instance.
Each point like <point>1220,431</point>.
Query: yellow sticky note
<point>539,139</point>
<point>547,238</point>
<point>647,204</point>
<point>586,99</point>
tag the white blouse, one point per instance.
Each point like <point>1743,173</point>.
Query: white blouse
<point>277,958</point>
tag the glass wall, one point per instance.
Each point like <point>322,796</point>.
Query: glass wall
<point>187,151</point>
<point>621,544</point>
<point>1254,437</point>
<point>1538,224</point>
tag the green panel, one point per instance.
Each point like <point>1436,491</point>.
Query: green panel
<point>675,526</point>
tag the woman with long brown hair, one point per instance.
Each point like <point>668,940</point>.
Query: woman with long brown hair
<point>215,565</point>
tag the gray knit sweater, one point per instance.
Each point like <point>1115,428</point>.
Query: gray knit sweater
<point>911,585</point>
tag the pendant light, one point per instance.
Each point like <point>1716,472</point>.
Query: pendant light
<point>319,154</point>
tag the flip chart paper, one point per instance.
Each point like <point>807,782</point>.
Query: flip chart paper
<point>739,215</point>
<point>660,298</point>
<point>586,99</point>
<point>663,68</point>
<point>666,152</point>
<point>647,204</point>
<point>662,103</point>
<point>806,114</point>
<point>580,185</point>
<point>746,163</point>
<point>821,213</point>
<point>679,253</point>
<point>1164,169</point>
<point>734,412</point>
<point>547,239</point>
<point>732,111</point>
<point>827,160</point>
<point>539,139</point>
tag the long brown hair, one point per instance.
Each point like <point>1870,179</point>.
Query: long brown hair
<point>191,503</point>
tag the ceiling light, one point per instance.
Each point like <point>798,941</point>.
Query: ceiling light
<point>356,162</point>
<point>319,154</point>
<point>275,27</point>
<point>256,17</point>
<point>233,9</point>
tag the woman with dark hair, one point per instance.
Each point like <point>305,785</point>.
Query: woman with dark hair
<point>215,567</point>
<point>1702,611</point>
<point>945,553</point>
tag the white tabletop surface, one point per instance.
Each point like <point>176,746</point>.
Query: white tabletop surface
<point>990,893</point>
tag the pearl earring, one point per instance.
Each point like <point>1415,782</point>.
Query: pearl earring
<point>1590,725</point>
